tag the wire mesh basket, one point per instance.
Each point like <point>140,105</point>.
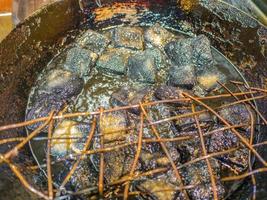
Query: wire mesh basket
<point>120,187</point>
<point>137,159</point>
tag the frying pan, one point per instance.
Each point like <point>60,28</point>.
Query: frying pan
<point>32,44</point>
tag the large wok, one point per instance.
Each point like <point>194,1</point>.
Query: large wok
<point>31,45</point>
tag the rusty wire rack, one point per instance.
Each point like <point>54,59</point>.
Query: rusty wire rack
<point>246,97</point>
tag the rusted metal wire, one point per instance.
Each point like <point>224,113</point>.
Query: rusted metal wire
<point>10,140</point>
<point>137,155</point>
<point>204,150</point>
<point>101,164</point>
<point>243,140</point>
<point>252,127</point>
<point>48,161</point>
<point>176,139</point>
<point>80,114</point>
<point>233,178</point>
<point>121,187</point>
<point>22,179</point>
<point>15,150</point>
<point>163,146</point>
<point>80,158</point>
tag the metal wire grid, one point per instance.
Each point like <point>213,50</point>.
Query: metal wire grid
<point>246,97</point>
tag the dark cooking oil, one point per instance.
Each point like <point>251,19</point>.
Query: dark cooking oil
<point>126,65</point>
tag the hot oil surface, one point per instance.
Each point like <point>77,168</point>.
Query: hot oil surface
<point>128,65</point>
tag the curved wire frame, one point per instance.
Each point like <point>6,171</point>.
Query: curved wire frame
<point>121,187</point>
